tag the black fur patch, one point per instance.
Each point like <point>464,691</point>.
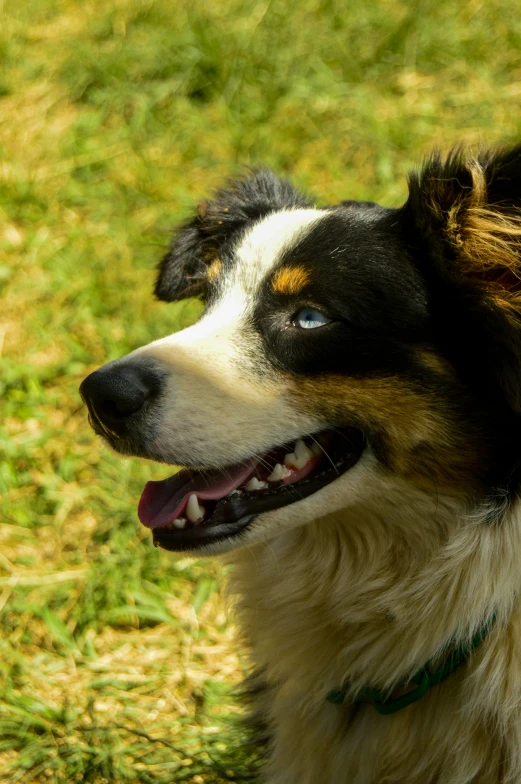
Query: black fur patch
<point>361,278</point>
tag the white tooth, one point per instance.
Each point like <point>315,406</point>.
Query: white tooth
<point>179,522</point>
<point>303,453</point>
<point>290,459</point>
<point>278,473</point>
<point>299,457</point>
<point>254,484</point>
<point>317,449</point>
<point>194,512</point>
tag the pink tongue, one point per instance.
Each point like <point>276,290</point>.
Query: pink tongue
<point>161,502</point>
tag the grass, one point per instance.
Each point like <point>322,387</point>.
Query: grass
<point>117,660</point>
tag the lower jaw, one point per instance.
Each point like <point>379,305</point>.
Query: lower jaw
<point>231,518</point>
<point>199,537</point>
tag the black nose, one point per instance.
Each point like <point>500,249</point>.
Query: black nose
<point>118,391</point>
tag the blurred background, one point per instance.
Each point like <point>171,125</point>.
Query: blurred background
<point>117,660</point>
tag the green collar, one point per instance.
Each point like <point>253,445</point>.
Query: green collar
<point>423,679</point>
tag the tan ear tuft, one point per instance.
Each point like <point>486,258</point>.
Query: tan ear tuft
<point>491,242</point>
<point>214,270</point>
<point>485,237</point>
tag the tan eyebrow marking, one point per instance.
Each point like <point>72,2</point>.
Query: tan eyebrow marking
<point>290,280</point>
<point>214,270</point>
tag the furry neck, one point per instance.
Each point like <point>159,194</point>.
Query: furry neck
<point>369,594</point>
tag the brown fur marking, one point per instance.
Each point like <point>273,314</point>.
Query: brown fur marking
<point>214,270</point>
<point>435,362</point>
<point>424,439</point>
<point>290,280</point>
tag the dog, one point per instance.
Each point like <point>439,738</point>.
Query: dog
<point>348,414</point>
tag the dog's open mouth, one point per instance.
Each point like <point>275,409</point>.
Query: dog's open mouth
<point>197,507</point>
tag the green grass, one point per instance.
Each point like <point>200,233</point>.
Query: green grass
<point>117,660</point>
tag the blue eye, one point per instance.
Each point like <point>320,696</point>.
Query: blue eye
<point>309,318</point>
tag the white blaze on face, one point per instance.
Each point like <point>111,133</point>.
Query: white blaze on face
<point>222,401</point>
<point>264,244</point>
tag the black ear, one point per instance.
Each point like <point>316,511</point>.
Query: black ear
<point>467,214</point>
<point>199,241</point>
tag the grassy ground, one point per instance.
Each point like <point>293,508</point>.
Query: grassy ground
<point>116,659</point>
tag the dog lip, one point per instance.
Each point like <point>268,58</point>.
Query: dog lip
<point>235,508</point>
<point>232,515</point>
<point>162,502</point>
<point>199,536</point>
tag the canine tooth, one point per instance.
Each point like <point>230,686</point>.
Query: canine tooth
<point>255,484</point>
<point>194,512</point>
<point>279,472</point>
<point>303,453</point>
<point>179,522</point>
<point>316,449</point>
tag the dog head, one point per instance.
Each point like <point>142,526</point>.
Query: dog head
<point>340,348</point>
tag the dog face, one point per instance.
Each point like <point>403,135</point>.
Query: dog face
<point>340,350</point>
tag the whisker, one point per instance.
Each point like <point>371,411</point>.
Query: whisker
<point>265,464</point>
<point>324,451</point>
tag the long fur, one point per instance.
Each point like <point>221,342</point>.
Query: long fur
<point>369,596</point>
